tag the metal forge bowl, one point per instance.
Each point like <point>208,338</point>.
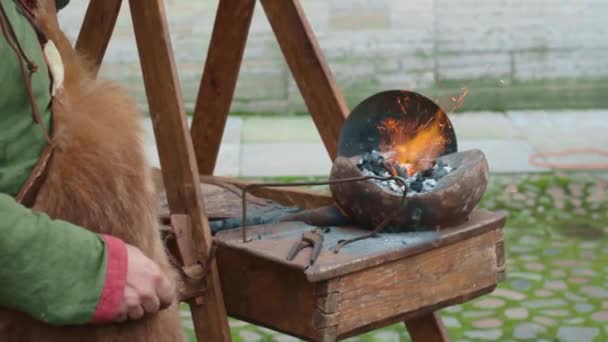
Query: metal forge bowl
<point>449,203</point>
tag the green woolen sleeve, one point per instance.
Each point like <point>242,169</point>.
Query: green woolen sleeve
<point>51,269</point>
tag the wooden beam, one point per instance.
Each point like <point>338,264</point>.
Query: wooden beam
<point>216,90</point>
<point>180,174</point>
<point>97,28</point>
<point>309,69</point>
<point>427,328</point>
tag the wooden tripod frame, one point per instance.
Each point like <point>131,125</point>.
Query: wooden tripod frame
<point>184,156</point>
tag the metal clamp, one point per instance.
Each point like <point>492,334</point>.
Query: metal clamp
<point>312,239</point>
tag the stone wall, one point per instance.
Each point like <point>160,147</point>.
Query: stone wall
<point>382,44</point>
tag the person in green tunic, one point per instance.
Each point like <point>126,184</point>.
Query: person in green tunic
<point>43,260</point>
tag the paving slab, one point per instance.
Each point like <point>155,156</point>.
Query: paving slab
<point>504,155</point>
<point>484,125</point>
<point>305,159</point>
<point>557,130</point>
<point>275,160</point>
<point>493,133</point>
<point>279,130</point>
<point>477,125</point>
<point>291,146</point>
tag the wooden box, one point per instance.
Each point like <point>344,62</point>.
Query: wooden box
<point>367,285</point>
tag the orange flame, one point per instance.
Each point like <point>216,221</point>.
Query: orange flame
<point>413,147</point>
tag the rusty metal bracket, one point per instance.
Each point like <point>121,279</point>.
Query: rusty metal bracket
<point>193,272</point>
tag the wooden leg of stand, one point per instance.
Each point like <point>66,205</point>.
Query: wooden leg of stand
<point>97,29</point>
<point>308,66</point>
<point>180,174</point>
<point>216,90</point>
<point>427,328</point>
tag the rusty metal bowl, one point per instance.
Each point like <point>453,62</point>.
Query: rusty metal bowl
<point>368,204</point>
<point>449,203</point>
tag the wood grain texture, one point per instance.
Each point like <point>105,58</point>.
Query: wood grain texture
<point>427,328</point>
<point>261,291</point>
<point>310,71</point>
<point>268,294</point>
<point>381,295</point>
<point>96,30</point>
<point>216,90</point>
<point>180,174</point>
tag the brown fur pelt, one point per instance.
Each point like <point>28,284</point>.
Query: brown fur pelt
<point>98,179</point>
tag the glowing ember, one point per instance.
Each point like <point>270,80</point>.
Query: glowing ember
<point>374,164</point>
<point>453,102</point>
<point>414,148</point>
<point>458,102</point>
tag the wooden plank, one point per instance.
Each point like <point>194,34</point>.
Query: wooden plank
<point>427,328</point>
<point>180,174</point>
<point>268,294</point>
<point>417,313</point>
<point>420,283</point>
<point>310,71</point>
<point>289,196</point>
<point>216,90</point>
<point>96,30</point>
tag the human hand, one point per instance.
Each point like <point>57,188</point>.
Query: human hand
<point>148,289</point>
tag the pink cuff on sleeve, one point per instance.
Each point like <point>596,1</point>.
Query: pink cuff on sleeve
<point>116,279</point>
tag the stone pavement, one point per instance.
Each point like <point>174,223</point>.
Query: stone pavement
<point>290,146</point>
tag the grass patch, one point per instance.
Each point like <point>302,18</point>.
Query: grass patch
<point>503,95</point>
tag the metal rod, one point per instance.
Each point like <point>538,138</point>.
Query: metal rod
<point>325,182</point>
<point>378,229</point>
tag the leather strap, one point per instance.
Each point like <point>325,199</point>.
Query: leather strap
<point>28,192</point>
<point>26,70</point>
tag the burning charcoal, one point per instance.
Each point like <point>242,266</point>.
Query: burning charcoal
<point>416,185</point>
<point>370,158</point>
<point>428,172</point>
<point>439,173</point>
<point>428,185</point>
<point>380,171</point>
<point>375,158</point>
<point>394,187</point>
<point>401,171</point>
